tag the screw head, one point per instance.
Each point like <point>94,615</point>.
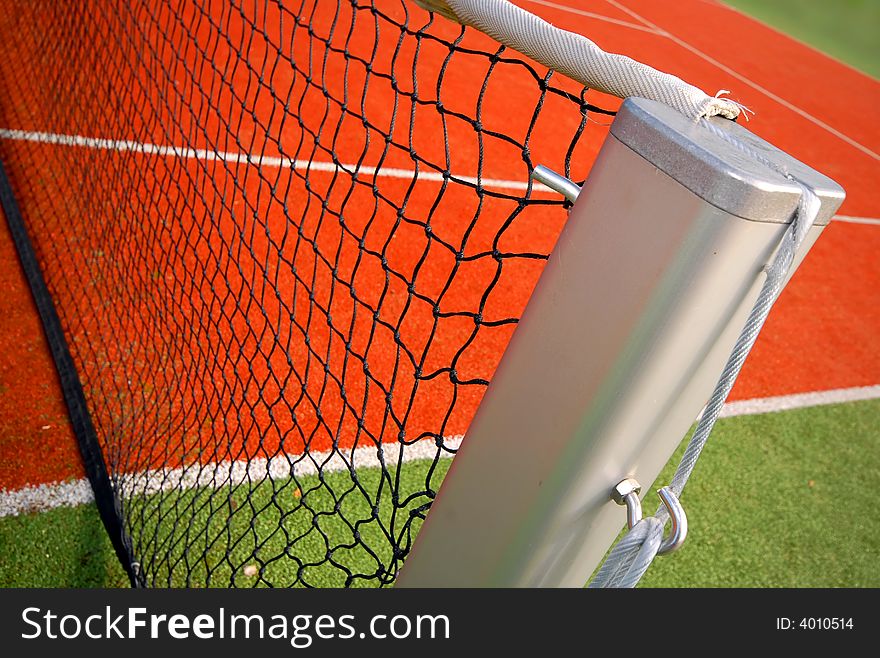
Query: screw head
<point>623,489</point>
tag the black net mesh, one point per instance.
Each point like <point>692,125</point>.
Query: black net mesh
<point>287,243</point>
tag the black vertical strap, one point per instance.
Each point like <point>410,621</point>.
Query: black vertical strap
<point>108,504</point>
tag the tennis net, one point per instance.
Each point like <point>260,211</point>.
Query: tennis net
<point>285,244</point>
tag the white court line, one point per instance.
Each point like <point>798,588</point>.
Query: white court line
<point>590,14</point>
<point>146,148</point>
<point>754,85</point>
<point>871,221</point>
<point>220,474</point>
<point>799,401</point>
<point>231,473</point>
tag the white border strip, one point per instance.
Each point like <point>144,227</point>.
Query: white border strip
<point>78,492</point>
<point>280,467</point>
<point>237,158</point>
<point>870,221</point>
<point>222,474</point>
<point>120,145</point>
<point>799,401</point>
<point>45,497</point>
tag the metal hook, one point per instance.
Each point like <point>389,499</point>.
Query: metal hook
<point>627,493</point>
<point>677,519</point>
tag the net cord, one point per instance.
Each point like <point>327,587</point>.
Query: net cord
<point>577,57</point>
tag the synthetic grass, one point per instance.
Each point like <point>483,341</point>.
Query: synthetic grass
<point>782,500</point>
<point>321,532</point>
<point>844,29</point>
<point>64,547</point>
<point>281,530</point>
<point>777,500</point>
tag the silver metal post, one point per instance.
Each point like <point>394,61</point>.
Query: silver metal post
<point>620,346</point>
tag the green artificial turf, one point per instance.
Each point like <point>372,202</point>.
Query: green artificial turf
<point>777,500</point>
<point>848,30</point>
<point>214,537</point>
<point>782,500</point>
<point>64,547</point>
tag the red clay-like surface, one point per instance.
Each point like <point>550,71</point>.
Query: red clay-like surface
<point>824,333</point>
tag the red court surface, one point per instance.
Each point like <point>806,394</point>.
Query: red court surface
<point>823,334</point>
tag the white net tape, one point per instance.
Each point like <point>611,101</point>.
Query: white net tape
<point>579,58</point>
